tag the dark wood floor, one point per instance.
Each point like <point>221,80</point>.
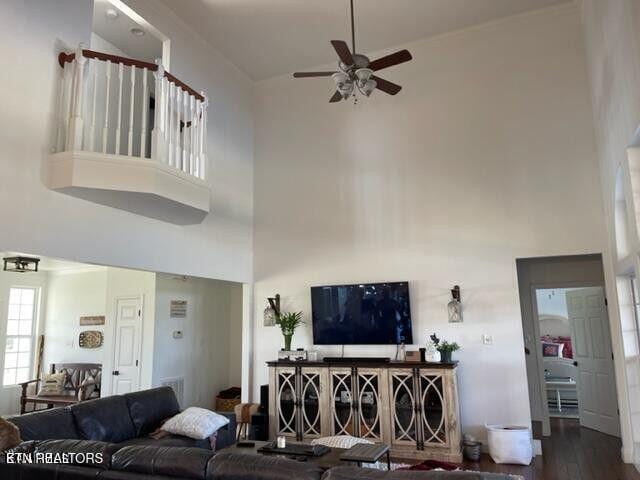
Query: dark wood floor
<point>570,453</point>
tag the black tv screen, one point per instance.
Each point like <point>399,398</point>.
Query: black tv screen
<point>362,314</point>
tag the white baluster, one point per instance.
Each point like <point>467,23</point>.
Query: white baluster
<point>131,111</point>
<point>192,135</point>
<point>195,148</point>
<point>158,138</point>
<point>185,131</point>
<point>62,108</point>
<point>119,119</point>
<point>171,129</point>
<point>76,124</point>
<point>105,127</point>
<point>178,152</point>
<point>203,137</point>
<point>145,108</point>
<point>92,128</point>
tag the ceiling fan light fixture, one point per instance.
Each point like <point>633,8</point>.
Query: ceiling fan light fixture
<point>363,75</point>
<point>346,89</point>
<point>369,86</point>
<point>340,78</point>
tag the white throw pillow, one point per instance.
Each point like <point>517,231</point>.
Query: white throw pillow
<point>194,422</point>
<point>340,441</point>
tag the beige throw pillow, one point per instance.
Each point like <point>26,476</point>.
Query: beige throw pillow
<point>9,435</point>
<point>194,422</point>
<point>52,384</point>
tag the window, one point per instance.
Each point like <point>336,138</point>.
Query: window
<point>21,318</point>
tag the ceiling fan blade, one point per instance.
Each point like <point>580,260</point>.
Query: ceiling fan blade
<point>312,74</point>
<point>342,49</point>
<point>386,86</point>
<point>336,97</point>
<point>391,60</point>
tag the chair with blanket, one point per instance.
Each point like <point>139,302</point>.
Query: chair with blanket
<point>78,382</point>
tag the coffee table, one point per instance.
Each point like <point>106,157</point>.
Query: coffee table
<point>329,460</point>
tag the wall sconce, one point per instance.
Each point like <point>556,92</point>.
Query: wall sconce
<point>272,311</point>
<point>455,306</point>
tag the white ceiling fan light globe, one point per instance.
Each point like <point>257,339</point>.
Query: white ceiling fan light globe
<point>369,87</point>
<point>346,89</point>
<point>340,78</point>
<point>363,75</point>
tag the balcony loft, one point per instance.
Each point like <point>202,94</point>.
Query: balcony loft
<point>131,136</point>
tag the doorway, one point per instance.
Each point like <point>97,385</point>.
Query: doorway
<point>568,350</point>
<point>128,339</point>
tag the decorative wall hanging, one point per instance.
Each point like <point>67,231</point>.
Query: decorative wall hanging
<point>90,339</point>
<point>92,320</point>
<point>455,306</point>
<point>178,309</point>
<point>272,311</point>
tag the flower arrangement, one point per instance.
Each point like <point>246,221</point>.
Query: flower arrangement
<point>444,347</point>
<point>288,322</point>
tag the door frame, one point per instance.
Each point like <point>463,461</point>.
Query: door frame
<point>114,331</point>
<point>546,422</point>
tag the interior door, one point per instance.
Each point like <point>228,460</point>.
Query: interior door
<point>592,352</point>
<point>126,364</point>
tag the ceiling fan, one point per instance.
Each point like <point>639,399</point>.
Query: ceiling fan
<point>356,70</point>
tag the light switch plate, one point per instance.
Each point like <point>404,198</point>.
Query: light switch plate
<point>487,339</point>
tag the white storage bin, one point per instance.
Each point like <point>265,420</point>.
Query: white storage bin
<point>510,444</point>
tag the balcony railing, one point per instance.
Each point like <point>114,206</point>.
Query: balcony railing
<point>120,106</point>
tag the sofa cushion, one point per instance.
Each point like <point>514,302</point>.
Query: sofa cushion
<point>355,473</point>
<point>45,424</point>
<point>242,466</point>
<point>86,453</point>
<point>168,441</point>
<point>150,407</point>
<point>169,461</point>
<point>104,419</point>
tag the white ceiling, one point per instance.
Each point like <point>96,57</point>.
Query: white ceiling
<point>266,38</point>
<point>117,31</point>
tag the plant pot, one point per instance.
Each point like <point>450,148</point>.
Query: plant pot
<point>445,356</point>
<point>287,342</point>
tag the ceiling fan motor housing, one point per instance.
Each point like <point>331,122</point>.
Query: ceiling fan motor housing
<point>359,61</point>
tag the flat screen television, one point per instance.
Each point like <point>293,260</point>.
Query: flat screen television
<point>361,314</point>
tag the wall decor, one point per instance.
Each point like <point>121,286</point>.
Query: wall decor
<point>272,311</point>
<point>90,339</point>
<point>92,320</point>
<point>178,309</point>
<point>455,306</point>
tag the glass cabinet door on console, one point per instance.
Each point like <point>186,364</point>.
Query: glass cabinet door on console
<point>312,402</point>
<point>433,421</point>
<point>286,396</point>
<point>342,418</point>
<point>371,404</point>
<point>404,421</point>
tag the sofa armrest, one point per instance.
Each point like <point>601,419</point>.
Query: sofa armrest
<point>227,434</point>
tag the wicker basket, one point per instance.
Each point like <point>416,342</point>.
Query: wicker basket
<point>226,404</point>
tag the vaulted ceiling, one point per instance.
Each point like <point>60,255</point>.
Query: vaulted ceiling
<point>266,38</point>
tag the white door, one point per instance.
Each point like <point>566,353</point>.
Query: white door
<point>126,364</point>
<point>597,402</point>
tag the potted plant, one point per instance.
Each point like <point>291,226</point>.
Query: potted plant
<point>288,322</point>
<point>445,348</point>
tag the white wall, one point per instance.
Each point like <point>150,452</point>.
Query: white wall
<point>76,229</point>
<point>10,396</point>
<point>613,52</point>
<point>488,148</point>
<point>70,296</point>
<point>210,344</point>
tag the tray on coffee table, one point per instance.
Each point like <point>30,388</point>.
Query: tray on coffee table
<point>295,449</point>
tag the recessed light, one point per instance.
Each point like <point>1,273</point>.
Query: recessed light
<point>111,13</point>
<point>138,32</point>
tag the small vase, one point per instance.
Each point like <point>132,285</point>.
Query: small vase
<point>287,342</point>
<point>445,357</point>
